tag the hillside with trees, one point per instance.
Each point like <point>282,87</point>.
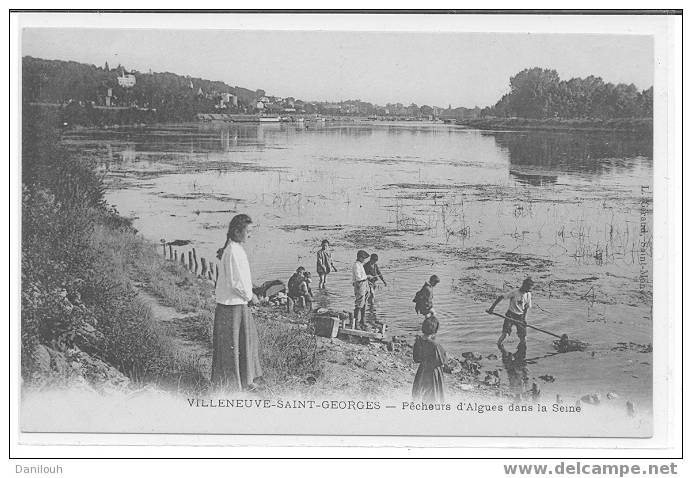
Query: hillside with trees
<point>173,97</point>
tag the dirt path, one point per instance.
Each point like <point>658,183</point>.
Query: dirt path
<point>174,325</point>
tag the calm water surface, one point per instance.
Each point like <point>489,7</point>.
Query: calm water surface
<point>480,209</point>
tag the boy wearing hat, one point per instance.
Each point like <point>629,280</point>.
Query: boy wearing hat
<point>519,305</point>
<point>360,289</point>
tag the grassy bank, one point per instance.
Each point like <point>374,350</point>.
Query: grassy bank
<point>625,125</point>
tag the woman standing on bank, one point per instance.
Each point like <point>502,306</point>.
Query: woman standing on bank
<point>235,361</point>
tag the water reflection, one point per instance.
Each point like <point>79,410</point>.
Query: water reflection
<point>515,366</point>
<point>229,139</point>
<point>593,153</point>
<point>533,179</point>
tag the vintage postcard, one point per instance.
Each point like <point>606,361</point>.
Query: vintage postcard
<point>359,230</point>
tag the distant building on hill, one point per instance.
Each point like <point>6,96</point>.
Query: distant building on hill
<point>126,80</point>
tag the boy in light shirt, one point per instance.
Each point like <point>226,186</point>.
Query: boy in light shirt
<point>519,305</point>
<point>360,289</point>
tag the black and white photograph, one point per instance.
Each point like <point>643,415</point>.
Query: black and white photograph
<point>329,231</point>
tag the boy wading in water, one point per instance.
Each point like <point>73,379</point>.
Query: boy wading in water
<point>519,305</point>
<point>373,270</point>
<point>360,289</point>
<point>429,383</point>
<point>424,297</point>
<point>325,265</point>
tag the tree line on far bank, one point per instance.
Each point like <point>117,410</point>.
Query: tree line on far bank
<point>538,93</point>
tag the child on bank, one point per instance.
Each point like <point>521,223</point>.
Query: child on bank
<point>429,386</point>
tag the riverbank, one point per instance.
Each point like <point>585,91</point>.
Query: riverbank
<point>624,125</point>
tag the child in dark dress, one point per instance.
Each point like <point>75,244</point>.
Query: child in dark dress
<point>429,383</point>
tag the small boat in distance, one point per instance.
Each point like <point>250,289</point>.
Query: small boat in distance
<point>269,119</point>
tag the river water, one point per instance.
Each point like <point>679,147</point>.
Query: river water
<point>482,210</point>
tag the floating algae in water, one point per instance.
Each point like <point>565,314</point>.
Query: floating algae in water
<point>569,345</point>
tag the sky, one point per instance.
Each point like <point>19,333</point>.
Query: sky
<point>440,69</point>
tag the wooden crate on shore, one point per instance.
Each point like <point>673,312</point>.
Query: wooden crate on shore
<point>327,326</point>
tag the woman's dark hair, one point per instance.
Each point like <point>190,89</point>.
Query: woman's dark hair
<point>237,224</point>
<point>325,242</point>
<point>430,325</point>
<point>374,257</point>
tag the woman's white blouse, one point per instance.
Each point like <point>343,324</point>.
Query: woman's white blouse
<point>234,285</point>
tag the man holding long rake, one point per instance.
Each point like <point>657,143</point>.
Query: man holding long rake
<point>519,305</point>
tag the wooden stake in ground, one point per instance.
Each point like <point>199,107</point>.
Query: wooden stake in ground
<point>194,257</point>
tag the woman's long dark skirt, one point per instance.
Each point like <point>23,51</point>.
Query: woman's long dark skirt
<point>235,362</point>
